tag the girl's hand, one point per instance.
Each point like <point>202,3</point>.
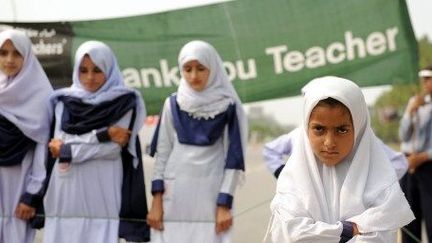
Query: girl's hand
<point>25,212</point>
<point>119,135</point>
<point>155,215</point>
<point>415,160</point>
<point>355,229</point>
<point>223,219</point>
<point>54,146</point>
<point>415,103</point>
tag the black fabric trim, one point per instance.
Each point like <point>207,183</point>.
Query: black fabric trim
<point>79,117</point>
<point>38,221</point>
<point>65,153</point>
<point>278,171</point>
<point>14,145</point>
<point>347,231</point>
<point>103,136</point>
<point>134,201</point>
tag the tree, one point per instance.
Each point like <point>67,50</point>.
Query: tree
<point>390,106</point>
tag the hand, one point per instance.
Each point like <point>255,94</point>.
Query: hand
<point>119,135</point>
<point>25,212</point>
<point>414,104</point>
<point>224,219</point>
<point>54,145</point>
<point>355,229</point>
<point>415,160</point>
<point>155,215</point>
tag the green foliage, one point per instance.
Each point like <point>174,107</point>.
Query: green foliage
<point>266,128</point>
<point>390,106</point>
<point>388,110</point>
<point>425,52</point>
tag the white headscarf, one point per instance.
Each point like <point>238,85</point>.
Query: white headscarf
<point>103,57</point>
<point>219,92</point>
<point>349,190</point>
<point>24,97</point>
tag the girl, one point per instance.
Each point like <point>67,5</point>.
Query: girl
<point>99,162</point>
<point>200,147</point>
<point>24,133</point>
<point>338,185</point>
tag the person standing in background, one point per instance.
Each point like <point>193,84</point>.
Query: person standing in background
<point>415,132</point>
<point>200,147</point>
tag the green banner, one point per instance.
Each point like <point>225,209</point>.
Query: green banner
<point>270,48</point>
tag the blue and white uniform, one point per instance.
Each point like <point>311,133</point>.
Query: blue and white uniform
<point>85,195</point>
<point>24,133</point>
<point>200,153</point>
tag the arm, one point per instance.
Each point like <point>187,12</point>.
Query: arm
<point>291,222</point>
<point>164,148</point>
<point>378,220</point>
<point>87,147</point>
<point>397,159</point>
<point>406,124</point>
<point>32,196</point>
<point>275,151</point>
<point>233,171</point>
<point>84,152</point>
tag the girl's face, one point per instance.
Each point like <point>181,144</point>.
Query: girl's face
<point>427,84</point>
<point>331,133</point>
<point>11,61</point>
<point>196,75</point>
<point>91,76</point>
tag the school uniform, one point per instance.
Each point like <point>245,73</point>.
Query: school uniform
<point>24,132</point>
<point>199,146</point>
<point>316,203</point>
<point>90,197</point>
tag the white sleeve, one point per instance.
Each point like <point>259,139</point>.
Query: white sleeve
<point>165,142</point>
<point>376,237</point>
<point>274,152</point>
<point>285,227</point>
<point>86,147</point>
<point>37,173</point>
<point>406,125</point>
<point>397,159</point>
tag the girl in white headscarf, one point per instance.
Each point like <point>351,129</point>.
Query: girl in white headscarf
<point>24,133</point>
<point>199,147</point>
<point>338,185</point>
<point>98,177</point>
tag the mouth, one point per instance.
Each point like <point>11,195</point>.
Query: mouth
<point>330,153</point>
<point>196,83</point>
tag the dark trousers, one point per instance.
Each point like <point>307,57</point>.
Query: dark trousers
<point>418,191</point>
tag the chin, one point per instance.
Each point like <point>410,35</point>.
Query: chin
<point>330,163</point>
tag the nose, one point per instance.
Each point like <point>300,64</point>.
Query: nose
<point>10,58</point>
<point>329,140</point>
<point>90,75</point>
<point>194,74</point>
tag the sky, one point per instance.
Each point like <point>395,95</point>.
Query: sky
<point>70,10</point>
